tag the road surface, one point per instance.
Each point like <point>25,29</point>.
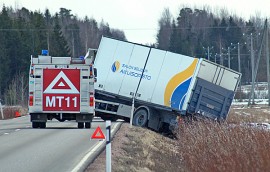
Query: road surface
<point>59,147</point>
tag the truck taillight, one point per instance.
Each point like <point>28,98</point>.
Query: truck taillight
<point>91,102</point>
<point>91,70</point>
<point>32,70</point>
<point>31,99</point>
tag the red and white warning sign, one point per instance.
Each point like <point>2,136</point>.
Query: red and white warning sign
<point>61,90</point>
<point>98,134</point>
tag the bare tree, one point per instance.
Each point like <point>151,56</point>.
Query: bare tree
<point>16,93</point>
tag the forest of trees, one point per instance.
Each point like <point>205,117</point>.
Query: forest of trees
<point>24,33</point>
<point>193,32</point>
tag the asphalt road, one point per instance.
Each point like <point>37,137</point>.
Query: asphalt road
<point>59,147</point>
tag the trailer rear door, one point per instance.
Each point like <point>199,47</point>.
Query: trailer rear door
<point>210,100</point>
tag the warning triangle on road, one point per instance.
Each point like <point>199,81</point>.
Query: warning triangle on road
<point>98,134</point>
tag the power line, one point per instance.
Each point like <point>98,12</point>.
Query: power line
<point>36,29</point>
<point>178,28</point>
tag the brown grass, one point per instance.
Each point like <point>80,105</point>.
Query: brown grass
<point>201,146</point>
<point>215,147</point>
<point>145,150</point>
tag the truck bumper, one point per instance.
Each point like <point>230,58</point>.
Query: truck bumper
<point>36,117</point>
<point>84,117</point>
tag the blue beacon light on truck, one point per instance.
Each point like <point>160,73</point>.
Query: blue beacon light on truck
<point>44,52</point>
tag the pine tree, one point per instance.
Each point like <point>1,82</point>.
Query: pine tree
<point>165,30</point>
<point>39,33</point>
<point>5,50</point>
<point>59,45</point>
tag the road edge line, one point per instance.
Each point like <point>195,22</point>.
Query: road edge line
<point>94,152</point>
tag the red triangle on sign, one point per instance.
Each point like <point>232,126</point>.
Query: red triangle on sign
<point>98,134</point>
<point>61,84</point>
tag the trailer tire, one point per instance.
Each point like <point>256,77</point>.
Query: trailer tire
<point>35,124</point>
<point>87,125</point>
<point>80,124</point>
<point>140,118</point>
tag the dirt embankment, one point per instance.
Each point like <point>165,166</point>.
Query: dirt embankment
<point>138,149</point>
<point>201,146</point>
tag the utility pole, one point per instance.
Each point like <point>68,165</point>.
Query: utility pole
<point>86,38</point>
<point>1,110</point>
<point>208,53</point>
<point>255,68</point>
<point>229,58</point>
<point>208,49</point>
<point>48,42</point>
<point>73,46</point>
<point>252,68</point>
<point>239,70</point>
<point>220,52</point>
<point>267,61</point>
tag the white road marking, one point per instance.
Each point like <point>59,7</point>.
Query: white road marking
<point>6,133</point>
<point>17,129</point>
<point>80,164</point>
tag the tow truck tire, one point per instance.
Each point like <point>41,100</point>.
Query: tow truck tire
<point>35,124</point>
<point>80,124</point>
<point>88,125</point>
<point>42,124</point>
<point>140,118</point>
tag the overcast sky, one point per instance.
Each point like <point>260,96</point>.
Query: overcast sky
<point>139,18</point>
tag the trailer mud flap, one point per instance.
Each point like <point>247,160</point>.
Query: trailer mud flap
<point>210,100</point>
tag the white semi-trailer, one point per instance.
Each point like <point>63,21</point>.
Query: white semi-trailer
<point>160,84</point>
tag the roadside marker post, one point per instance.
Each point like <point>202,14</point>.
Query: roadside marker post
<point>98,134</point>
<point>108,146</point>
<point>1,110</point>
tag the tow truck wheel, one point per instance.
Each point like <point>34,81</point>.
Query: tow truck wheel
<point>80,124</point>
<point>140,118</point>
<point>42,124</point>
<point>88,125</point>
<point>35,124</point>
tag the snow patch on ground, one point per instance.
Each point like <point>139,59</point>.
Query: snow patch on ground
<point>245,102</point>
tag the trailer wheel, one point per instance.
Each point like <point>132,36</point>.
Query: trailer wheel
<point>80,124</point>
<point>88,125</point>
<point>140,118</point>
<point>35,124</point>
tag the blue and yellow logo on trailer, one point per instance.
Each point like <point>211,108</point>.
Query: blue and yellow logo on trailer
<point>177,87</point>
<point>115,66</point>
